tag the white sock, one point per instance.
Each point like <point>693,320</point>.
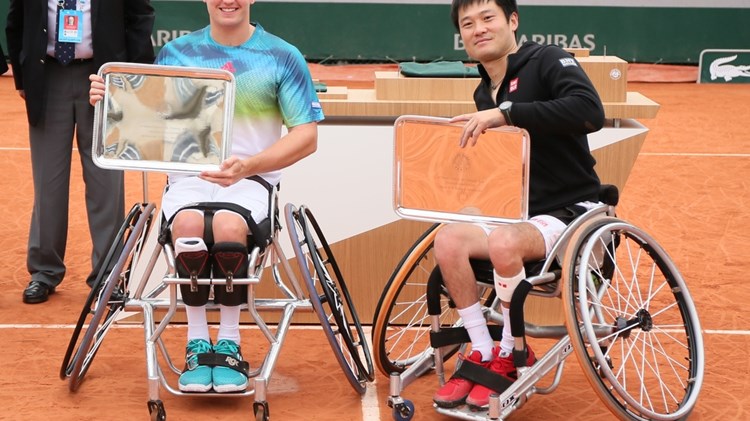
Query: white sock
<point>197,323</point>
<point>507,343</point>
<point>229,326</point>
<point>476,325</point>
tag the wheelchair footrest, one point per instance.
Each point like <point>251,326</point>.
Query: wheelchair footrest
<point>210,281</point>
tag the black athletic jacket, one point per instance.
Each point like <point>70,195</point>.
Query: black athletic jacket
<point>554,100</point>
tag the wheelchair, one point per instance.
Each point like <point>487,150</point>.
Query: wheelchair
<point>124,290</point>
<point>628,318</point>
<point>129,281</point>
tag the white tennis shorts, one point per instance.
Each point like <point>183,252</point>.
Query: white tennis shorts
<point>249,194</point>
<point>550,227</point>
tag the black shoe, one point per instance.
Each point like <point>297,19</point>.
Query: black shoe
<point>118,296</point>
<point>37,292</point>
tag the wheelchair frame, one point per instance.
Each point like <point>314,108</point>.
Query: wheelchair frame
<point>124,289</point>
<point>620,291</point>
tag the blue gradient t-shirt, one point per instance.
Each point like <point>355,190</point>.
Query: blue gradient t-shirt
<point>272,85</point>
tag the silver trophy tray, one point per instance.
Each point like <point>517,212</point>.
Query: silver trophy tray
<point>163,118</point>
<point>436,180</point>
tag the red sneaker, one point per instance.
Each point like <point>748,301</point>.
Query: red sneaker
<point>479,397</point>
<point>454,391</point>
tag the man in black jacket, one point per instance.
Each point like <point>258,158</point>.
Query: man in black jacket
<point>51,70</point>
<point>543,90</point>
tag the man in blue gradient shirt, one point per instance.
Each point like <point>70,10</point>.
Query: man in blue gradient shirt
<point>273,87</point>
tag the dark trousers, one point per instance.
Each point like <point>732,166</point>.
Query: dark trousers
<point>68,112</point>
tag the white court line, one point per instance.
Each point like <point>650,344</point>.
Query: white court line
<point>366,329</point>
<point>135,325</point>
<point>10,149</point>
<point>689,154</point>
<point>726,332</point>
<point>370,403</point>
<point>707,155</point>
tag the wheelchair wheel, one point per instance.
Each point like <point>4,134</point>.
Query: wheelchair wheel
<point>107,297</point>
<point>330,297</point>
<point>401,327</point>
<point>632,322</point>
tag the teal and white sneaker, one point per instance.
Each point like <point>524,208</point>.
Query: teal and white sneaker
<point>229,379</point>
<point>196,378</point>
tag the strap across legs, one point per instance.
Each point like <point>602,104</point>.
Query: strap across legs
<point>483,376</point>
<point>212,359</point>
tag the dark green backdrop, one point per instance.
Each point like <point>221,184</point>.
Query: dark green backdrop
<point>423,32</point>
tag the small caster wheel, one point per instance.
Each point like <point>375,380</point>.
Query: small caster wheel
<point>261,411</point>
<point>403,411</point>
<point>156,410</point>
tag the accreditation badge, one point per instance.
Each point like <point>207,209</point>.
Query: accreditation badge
<point>71,26</point>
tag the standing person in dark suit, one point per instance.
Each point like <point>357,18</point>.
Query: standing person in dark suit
<point>51,70</point>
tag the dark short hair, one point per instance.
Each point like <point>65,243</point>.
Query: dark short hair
<point>508,6</point>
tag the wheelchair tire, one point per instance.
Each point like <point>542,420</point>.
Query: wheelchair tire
<point>401,326</point>
<point>107,297</point>
<point>330,297</point>
<point>623,294</point>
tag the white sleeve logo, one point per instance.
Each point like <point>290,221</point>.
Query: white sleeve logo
<point>567,62</point>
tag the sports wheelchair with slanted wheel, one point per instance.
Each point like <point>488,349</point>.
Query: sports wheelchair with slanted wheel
<point>124,290</point>
<point>628,315</point>
<point>129,281</point>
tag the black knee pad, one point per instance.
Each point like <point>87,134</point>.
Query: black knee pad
<point>230,261</point>
<point>198,264</point>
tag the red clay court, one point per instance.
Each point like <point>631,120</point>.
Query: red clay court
<point>689,189</point>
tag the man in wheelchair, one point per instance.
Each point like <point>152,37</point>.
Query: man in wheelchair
<point>543,90</point>
<point>273,86</point>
